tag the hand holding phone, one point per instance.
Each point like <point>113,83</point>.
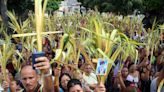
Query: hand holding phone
<point>36,55</point>
<point>41,63</point>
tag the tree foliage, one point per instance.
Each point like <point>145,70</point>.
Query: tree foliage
<point>124,6</point>
<point>118,6</point>
<point>153,5</point>
<point>52,5</point>
<point>21,6</point>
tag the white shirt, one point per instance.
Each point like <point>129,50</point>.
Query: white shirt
<point>1,89</point>
<point>132,79</point>
<point>91,79</point>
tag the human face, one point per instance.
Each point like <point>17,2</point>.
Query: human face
<point>88,69</point>
<point>14,87</point>
<point>29,78</point>
<point>66,69</point>
<point>64,81</point>
<point>125,72</point>
<point>7,76</point>
<point>76,88</point>
<point>80,77</point>
<point>57,71</point>
<point>132,68</point>
<point>10,76</point>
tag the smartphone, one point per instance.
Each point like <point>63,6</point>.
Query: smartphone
<point>36,55</point>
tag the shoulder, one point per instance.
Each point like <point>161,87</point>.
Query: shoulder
<point>153,86</point>
<point>61,90</point>
<point>1,89</point>
<point>154,81</point>
<point>129,78</point>
<point>93,74</point>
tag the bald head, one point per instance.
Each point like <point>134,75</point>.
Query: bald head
<point>27,68</point>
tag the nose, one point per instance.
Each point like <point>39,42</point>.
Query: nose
<point>65,82</point>
<point>27,81</point>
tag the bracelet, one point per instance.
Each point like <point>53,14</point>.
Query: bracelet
<point>48,74</point>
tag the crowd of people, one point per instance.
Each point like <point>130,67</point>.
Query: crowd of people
<point>31,81</point>
<point>144,76</point>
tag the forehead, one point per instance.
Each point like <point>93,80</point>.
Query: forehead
<point>87,65</point>
<point>28,71</point>
<point>65,77</point>
<point>125,69</point>
<point>76,88</point>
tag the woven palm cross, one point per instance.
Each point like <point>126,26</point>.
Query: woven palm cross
<point>39,16</point>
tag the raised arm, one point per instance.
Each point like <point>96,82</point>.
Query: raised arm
<point>44,65</point>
